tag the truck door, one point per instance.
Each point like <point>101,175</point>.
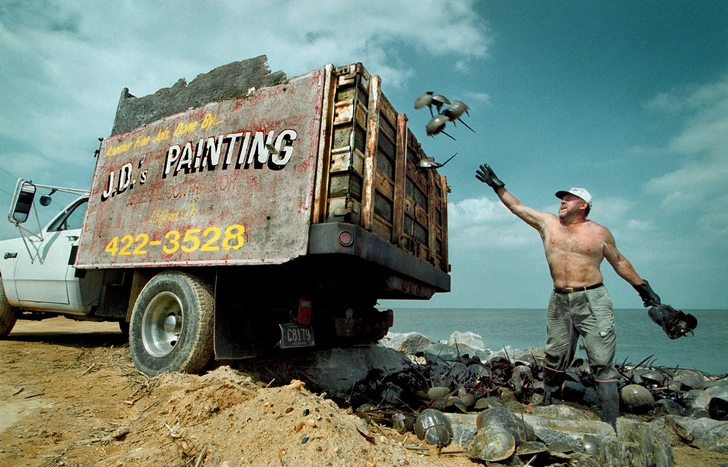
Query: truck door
<point>42,276</point>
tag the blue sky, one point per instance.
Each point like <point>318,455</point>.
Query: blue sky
<point>628,99</point>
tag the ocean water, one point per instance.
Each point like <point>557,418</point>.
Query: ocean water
<point>637,336</point>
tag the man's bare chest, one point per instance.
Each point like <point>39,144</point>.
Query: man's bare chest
<point>573,241</point>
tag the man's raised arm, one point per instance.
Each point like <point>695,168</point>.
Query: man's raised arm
<point>532,217</point>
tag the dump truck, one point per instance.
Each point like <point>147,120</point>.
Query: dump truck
<point>241,213</point>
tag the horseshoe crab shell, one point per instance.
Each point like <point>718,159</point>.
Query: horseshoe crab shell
<point>436,125</point>
<point>433,427</point>
<point>403,422</point>
<point>696,399</point>
<point>456,109</point>
<point>668,407</point>
<point>491,444</point>
<point>591,444</point>
<point>718,406</point>
<point>477,370</point>
<point>530,447</point>
<point>690,379</point>
<point>423,100</point>
<point>635,396</point>
<point>650,376</point>
<point>503,417</point>
<point>438,392</point>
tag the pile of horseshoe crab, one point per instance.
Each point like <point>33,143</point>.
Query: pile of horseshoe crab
<point>499,389</point>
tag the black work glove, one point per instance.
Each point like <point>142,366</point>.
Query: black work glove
<point>648,296</point>
<point>485,174</point>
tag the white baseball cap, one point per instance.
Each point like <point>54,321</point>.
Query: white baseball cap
<point>580,192</point>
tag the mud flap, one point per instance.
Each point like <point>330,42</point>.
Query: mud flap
<point>235,324</point>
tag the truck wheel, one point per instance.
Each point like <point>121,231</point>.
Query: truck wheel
<point>172,324</point>
<point>8,313</point>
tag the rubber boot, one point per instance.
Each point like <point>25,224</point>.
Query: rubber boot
<point>552,381</point>
<point>609,400</point>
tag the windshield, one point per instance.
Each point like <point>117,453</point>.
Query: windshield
<point>72,219</point>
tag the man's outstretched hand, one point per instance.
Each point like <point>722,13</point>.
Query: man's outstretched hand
<point>486,175</point>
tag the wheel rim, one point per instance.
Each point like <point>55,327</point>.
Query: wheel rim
<point>162,324</point>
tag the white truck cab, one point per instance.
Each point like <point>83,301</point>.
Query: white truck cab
<point>36,270</point>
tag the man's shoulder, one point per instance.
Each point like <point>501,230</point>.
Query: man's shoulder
<point>597,229</point>
<point>594,225</point>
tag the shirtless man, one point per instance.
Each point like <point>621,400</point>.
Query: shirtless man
<point>580,305</point>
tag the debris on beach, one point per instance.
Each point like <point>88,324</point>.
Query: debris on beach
<point>499,391</point>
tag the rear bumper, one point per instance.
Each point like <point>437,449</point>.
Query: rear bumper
<point>324,240</point>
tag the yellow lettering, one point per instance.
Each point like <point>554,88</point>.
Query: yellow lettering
<point>209,121</point>
<point>114,150</point>
<point>142,141</point>
<point>162,135</point>
<point>163,216</point>
<point>183,128</point>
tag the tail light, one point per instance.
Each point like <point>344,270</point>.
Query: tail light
<point>346,238</point>
<point>304,311</point>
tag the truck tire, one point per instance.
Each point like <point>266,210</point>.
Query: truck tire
<point>172,324</point>
<point>8,313</point>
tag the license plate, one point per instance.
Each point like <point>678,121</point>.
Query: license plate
<point>296,335</point>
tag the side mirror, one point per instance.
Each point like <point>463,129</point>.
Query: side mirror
<point>22,202</point>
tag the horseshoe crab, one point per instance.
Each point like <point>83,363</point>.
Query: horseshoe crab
<point>491,444</point>
<point>438,392</point>
<point>424,99</point>
<point>433,427</point>
<point>530,448</point>
<point>429,99</point>
<point>635,396</point>
<point>437,125</point>
<point>718,405</point>
<point>403,422</point>
<point>430,163</point>
<point>649,376</point>
<point>690,379</point>
<point>668,407</point>
<point>591,444</point>
<point>438,100</point>
<point>455,111</point>
<point>718,408</point>
<point>477,370</point>
<point>504,418</point>
<point>522,378</point>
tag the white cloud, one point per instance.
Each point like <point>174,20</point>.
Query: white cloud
<point>703,143</point>
<point>478,223</point>
<point>480,97</point>
<point>638,225</point>
<point>610,210</point>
